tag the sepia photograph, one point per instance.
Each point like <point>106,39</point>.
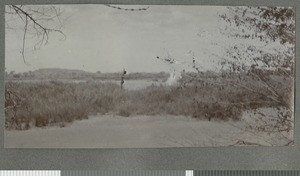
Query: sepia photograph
<point>148,76</point>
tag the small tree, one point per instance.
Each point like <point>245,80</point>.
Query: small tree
<point>265,43</point>
<point>265,51</point>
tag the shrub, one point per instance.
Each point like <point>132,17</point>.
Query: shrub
<point>124,112</point>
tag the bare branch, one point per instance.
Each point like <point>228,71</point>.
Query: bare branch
<point>24,39</point>
<point>41,31</point>
<point>126,9</point>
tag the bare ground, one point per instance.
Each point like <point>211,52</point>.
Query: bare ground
<point>110,131</point>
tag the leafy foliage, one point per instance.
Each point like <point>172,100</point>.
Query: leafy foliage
<point>265,40</point>
<point>268,23</point>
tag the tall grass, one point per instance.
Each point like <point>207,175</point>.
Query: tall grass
<point>57,103</point>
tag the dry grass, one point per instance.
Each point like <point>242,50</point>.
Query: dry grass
<point>57,103</point>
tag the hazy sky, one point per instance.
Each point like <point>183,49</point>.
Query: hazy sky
<point>107,39</point>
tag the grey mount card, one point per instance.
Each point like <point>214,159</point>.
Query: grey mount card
<point>180,80</point>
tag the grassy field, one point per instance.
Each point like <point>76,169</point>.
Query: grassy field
<point>57,103</point>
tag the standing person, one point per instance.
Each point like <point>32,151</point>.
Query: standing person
<point>122,78</point>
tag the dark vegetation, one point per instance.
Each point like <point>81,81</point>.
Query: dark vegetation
<point>42,104</point>
<point>63,74</point>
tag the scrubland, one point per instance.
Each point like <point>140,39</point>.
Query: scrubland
<point>56,103</point>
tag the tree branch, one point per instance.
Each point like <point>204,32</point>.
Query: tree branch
<point>39,28</point>
<point>126,9</point>
<point>24,40</point>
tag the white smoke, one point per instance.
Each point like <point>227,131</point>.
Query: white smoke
<point>174,77</point>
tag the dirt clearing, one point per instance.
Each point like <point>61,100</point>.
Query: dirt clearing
<point>109,131</point>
